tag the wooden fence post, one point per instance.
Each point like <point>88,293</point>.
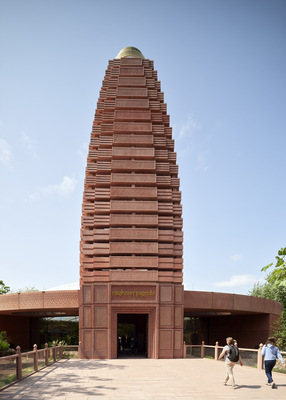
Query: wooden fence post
<point>259,358</point>
<point>46,354</point>
<point>61,350</point>
<point>35,357</point>
<point>54,351</point>
<point>216,351</point>
<point>79,349</point>
<point>19,363</point>
<point>202,349</point>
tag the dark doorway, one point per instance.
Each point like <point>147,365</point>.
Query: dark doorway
<point>191,330</point>
<point>132,335</point>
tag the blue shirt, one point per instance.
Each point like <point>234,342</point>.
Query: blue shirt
<point>270,352</point>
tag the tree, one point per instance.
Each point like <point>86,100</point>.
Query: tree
<point>3,288</point>
<point>270,291</point>
<point>275,289</point>
<point>278,275</point>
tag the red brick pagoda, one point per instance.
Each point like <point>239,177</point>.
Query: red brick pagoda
<point>131,236</point>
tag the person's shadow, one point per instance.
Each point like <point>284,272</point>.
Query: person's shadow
<point>248,387</point>
<point>257,386</point>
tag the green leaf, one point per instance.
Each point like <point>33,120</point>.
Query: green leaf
<point>282,252</point>
<point>266,267</point>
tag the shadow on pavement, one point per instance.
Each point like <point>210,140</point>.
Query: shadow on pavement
<point>248,387</point>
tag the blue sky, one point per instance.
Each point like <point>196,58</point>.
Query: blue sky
<point>222,67</point>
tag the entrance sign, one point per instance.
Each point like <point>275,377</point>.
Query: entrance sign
<point>135,293</point>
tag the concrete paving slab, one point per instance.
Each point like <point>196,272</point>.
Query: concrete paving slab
<point>142,379</point>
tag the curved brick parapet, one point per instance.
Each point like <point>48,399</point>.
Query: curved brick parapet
<point>65,301</point>
<point>194,301</point>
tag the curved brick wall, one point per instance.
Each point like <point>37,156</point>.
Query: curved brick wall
<point>250,318</point>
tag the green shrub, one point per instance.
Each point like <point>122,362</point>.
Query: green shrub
<point>4,344</point>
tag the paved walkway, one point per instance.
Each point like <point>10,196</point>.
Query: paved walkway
<point>142,379</point>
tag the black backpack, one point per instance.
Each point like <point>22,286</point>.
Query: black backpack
<point>233,354</point>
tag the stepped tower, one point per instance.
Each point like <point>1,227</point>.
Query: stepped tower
<point>131,266</point>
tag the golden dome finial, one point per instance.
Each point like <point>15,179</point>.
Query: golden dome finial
<point>131,52</point>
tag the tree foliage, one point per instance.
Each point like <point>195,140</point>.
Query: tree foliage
<point>3,288</point>
<point>278,293</point>
<point>275,289</point>
<point>278,275</point>
<point>269,291</point>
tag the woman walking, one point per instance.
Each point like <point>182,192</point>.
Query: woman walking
<point>270,352</point>
<point>231,356</point>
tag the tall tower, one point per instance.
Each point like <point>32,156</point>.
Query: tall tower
<point>131,266</point>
